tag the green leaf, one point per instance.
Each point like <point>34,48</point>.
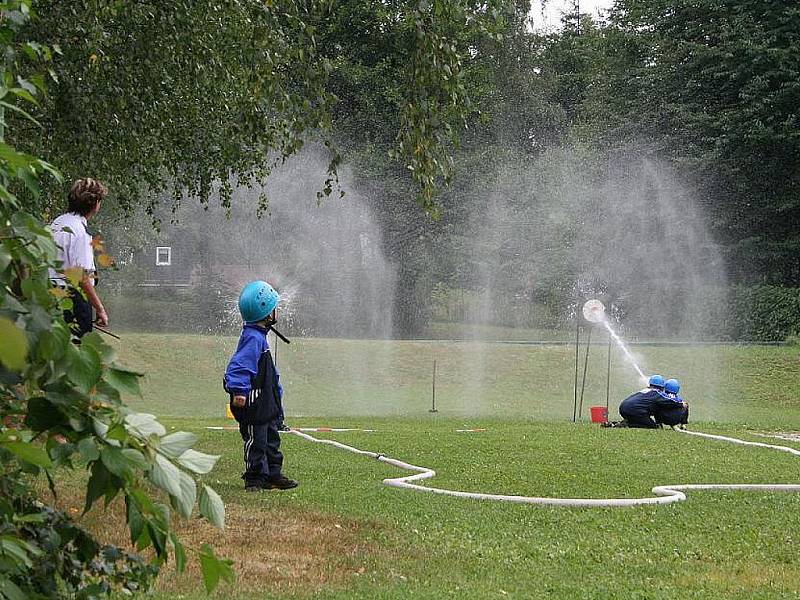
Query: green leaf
<point>5,260</point>
<point>166,476</point>
<point>136,458</point>
<point>11,303</point>
<point>144,425</point>
<point>107,393</point>
<point>18,550</point>
<point>10,591</point>
<point>25,94</point>
<point>115,461</point>
<point>125,381</point>
<point>88,449</point>
<point>211,506</point>
<point>177,443</point>
<point>116,433</point>
<point>26,86</point>
<point>67,398</point>
<point>134,519</point>
<point>159,538</point>
<point>98,485</point>
<point>17,109</point>
<point>28,453</point>
<point>213,568</point>
<point>186,499</point>
<point>86,369</point>
<point>53,343</point>
<point>198,462</point>
<point>180,552</point>
<point>106,352</point>
<point>13,345</point>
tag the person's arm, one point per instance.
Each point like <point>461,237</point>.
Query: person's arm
<point>83,256</point>
<point>242,368</point>
<point>94,300</point>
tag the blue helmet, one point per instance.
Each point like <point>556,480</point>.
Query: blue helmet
<point>656,381</point>
<point>257,300</point>
<point>672,386</point>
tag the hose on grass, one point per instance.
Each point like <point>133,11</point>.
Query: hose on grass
<point>662,494</point>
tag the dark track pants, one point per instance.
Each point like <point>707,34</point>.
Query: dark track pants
<point>639,421</point>
<point>677,416</point>
<point>79,318</point>
<point>262,454</point>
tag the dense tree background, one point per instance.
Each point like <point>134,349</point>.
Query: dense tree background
<point>189,100</point>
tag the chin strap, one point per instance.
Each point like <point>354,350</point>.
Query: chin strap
<point>279,334</point>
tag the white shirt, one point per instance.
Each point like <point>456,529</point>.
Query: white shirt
<point>75,245</point>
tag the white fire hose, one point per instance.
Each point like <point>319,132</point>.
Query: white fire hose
<point>663,494</point>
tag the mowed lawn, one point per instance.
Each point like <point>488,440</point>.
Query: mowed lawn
<point>342,534</point>
<point>325,378</point>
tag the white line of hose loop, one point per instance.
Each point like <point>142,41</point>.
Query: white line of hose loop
<point>663,494</point>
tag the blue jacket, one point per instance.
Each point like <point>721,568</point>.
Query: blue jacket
<point>243,366</point>
<point>672,412</point>
<point>647,402</point>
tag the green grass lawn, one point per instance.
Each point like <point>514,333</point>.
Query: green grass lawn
<point>342,534</point>
<point>322,377</point>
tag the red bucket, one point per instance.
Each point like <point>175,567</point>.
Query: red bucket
<point>599,414</point>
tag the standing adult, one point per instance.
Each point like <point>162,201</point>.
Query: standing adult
<point>76,252</point>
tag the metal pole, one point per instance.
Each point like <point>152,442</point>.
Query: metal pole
<point>575,385</point>
<point>433,389</point>
<point>585,365</point>
<point>608,372</point>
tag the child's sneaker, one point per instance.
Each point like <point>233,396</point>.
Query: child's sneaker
<point>281,482</point>
<point>255,486</point>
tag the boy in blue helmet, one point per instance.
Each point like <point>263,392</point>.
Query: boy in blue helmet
<point>639,409</point>
<point>676,412</point>
<point>253,383</point>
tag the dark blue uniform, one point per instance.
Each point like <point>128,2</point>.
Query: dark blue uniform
<point>252,373</point>
<point>674,412</point>
<point>639,409</point>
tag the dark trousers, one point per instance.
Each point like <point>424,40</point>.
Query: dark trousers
<point>79,318</point>
<point>640,421</point>
<point>677,416</point>
<point>262,452</point>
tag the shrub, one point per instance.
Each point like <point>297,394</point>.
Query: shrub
<point>60,406</point>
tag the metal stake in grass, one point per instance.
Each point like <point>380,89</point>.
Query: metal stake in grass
<point>585,367</point>
<point>433,390</point>
<point>608,372</point>
<point>575,385</point>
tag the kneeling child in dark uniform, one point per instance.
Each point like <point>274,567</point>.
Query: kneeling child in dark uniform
<point>639,409</point>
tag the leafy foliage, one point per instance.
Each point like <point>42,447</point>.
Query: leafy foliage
<point>766,313</point>
<point>197,97</point>
<point>715,86</point>
<point>61,408</point>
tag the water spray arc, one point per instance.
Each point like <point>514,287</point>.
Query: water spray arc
<point>594,312</point>
<point>625,350</point>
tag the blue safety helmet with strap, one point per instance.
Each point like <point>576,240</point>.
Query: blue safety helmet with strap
<point>672,386</point>
<point>656,381</point>
<point>257,300</point>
